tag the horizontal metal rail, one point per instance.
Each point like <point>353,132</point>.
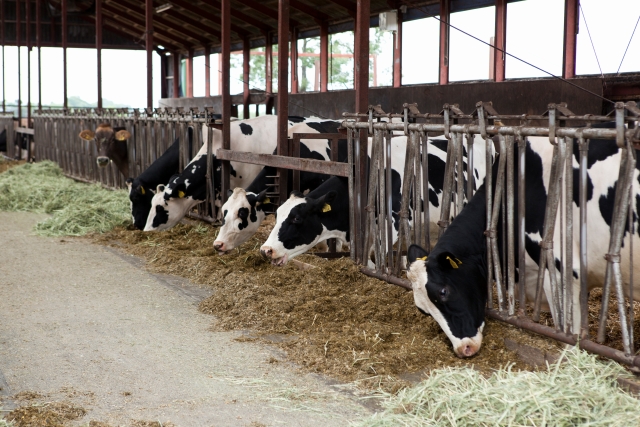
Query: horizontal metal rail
<point>308,165</point>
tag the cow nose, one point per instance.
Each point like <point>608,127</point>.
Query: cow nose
<point>102,161</point>
<point>266,252</point>
<point>468,351</point>
<point>218,246</point>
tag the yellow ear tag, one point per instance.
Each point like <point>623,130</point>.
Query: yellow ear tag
<point>326,207</point>
<point>454,264</point>
<point>142,190</point>
<point>424,258</point>
<point>266,200</point>
<point>181,194</point>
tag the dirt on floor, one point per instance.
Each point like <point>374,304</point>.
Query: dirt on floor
<point>330,319</point>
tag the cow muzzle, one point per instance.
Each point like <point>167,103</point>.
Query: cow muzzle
<point>268,253</point>
<point>219,246</point>
<point>466,349</point>
<point>102,161</point>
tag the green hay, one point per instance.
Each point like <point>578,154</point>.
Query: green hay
<point>77,208</point>
<point>580,390</point>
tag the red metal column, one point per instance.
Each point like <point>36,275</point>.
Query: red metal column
<point>99,48</point>
<point>324,56</point>
<point>38,44</point>
<point>18,42</point>
<point>176,74</point>
<point>397,53</point>
<point>283,90</point>
<point>28,12</point>
<point>207,71</point>
<point>571,17</point>
<point>149,45</point>
<point>444,42</point>
<point>294,60</point>
<point>246,64</point>
<point>268,64</point>
<point>189,71</point>
<point>361,83</point>
<point>4,107</point>
<point>64,52</point>
<point>500,40</point>
<point>225,63</point>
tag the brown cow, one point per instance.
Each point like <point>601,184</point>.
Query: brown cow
<point>111,144</point>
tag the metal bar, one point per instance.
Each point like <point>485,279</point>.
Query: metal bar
<point>296,154</point>
<point>425,185</point>
<point>176,75</point>
<point>294,60</point>
<point>225,61</point>
<point>4,109</point>
<point>522,281</point>
<point>488,180</point>
<point>500,40</point>
<point>352,206</point>
<point>277,161</point>
<point>283,89</point>
<point>583,145</point>
<point>510,247</point>
<point>324,56</point>
<point>18,43</point>
<point>65,32</point>
<point>568,229</point>
<point>149,46</point>
<point>246,64</point>
<point>99,49</point>
<point>444,42</point>
<point>387,278</point>
<point>571,19</point>
<point>28,43</point>
<point>268,64</point>
<point>207,71</point>
<point>397,53</point>
<point>189,73</point>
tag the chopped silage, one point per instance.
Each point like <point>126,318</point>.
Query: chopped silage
<point>577,390</point>
<point>77,209</point>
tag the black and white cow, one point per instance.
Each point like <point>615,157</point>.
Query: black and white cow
<point>143,187</point>
<point>274,249</point>
<point>243,212</point>
<point>181,194</point>
<point>449,290</point>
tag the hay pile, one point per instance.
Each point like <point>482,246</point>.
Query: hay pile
<point>51,414</point>
<point>577,391</point>
<point>77,208</point>
<point>331,319</point>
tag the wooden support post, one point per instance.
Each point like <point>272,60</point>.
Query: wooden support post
<point>149,47</point>
<point>225,61</point>
<point>246,64</point>
<point>397,53</point>
<point>444,42</point>
<point>283,91</point>
<point>324,56</point>
<point>99,49</point>
<point>207,71</point>
<point>571,17</point>
<point>500,40</point>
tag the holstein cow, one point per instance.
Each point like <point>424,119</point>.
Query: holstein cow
<point>243,212</point>
<point>257,135</point>
<point>143,187</point>
<point>451,283</point>
<point>279,253</point>
<point>111,144</point>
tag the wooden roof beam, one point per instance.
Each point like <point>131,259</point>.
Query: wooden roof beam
<point>243,17</point>
<point>318,16</point>
<point>162,39</point>
<point>273,14</point>
<point>189,6</point>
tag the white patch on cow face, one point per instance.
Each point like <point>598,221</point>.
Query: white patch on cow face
<point>174,210</point>
<point>235,231</point>
<point>418,276</point>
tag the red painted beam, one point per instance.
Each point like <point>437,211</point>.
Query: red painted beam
<point>500,40</point>
<point>225,61</point>
<point>99,48</point>
<point>3,43</point>
<point>18,43</point>
<point>189,71</point>
<point>444,42</point>
<point>149,45</point>
<point>324,56</point>
<point>397,53</point>
<point>294,60</point>
<point>38,45</point>
<point>207,71</point>
<point>176,74</point>
<point>268,65</point>
<point>571,16</point>
<point>283,90</point>
<point>65,31</point>
<point>246,68</point>
<point>28,13</point>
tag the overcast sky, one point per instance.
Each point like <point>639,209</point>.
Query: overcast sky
<point>534,33</point>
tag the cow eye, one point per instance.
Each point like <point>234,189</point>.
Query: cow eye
<point>297,219</point>
<point>444,293</point>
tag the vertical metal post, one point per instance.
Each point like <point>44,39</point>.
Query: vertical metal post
<point>571,17</point>
<point>283,90</point>
<point>38,45</point>
<point>500,40</point>
<point>397,53</point>
<point>149,46</point>
<point>18,42</point>
<point>246,64</point>
<point>361,83</point>
<point>4,109</point>
<point>99,49</point>
<point>28,20</point>
<point>225,62</point>
<point>444,42</point>
<point>176,74</point>
<point>324,56</point>
<point>64,52</point>
<point>189,71</point>
<point>294,60</point>
<point>268,72</point>
<point>207,71</point>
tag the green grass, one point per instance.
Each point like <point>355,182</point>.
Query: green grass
<point>580,391</point>
<point>77,209</point>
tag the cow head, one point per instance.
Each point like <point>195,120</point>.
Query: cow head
<point>242,215</point>
<point>105,138</point>
<point>443,286</point>
<point>168,206</point>
<point>299,227</point>
<point>141,198</point>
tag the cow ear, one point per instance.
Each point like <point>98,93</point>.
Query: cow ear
<point>296,194</point>
<point>416,252</point>
<point>160,188</point>
<point>262,198</point>
<point>129,182</point>
<point>448,261</point>
<point>87,135</point>
<point>178,191</point>
<point>123,135</point>
<point>142,190</point>
<point>229,193</point>
<point>323,204</point>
